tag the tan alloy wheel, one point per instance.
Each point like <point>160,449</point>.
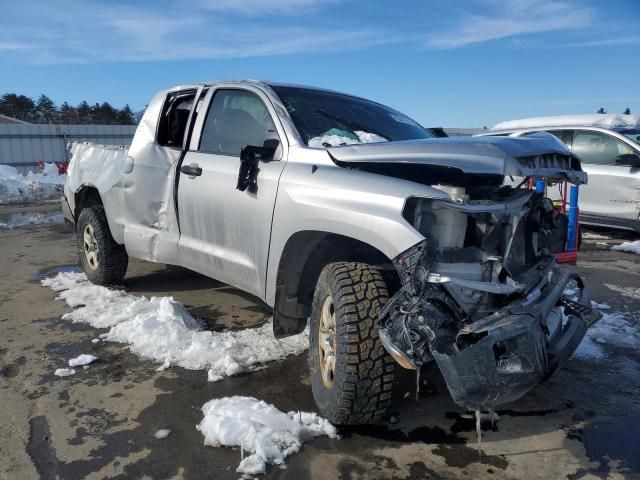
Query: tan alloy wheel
<point>90,247</point>
<point>327,342</point>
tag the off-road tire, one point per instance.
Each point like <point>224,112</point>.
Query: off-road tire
<point>360,392</point>
<point>112,262</point>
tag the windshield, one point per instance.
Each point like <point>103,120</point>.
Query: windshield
<point>632,134</point>
<point>326,119</point>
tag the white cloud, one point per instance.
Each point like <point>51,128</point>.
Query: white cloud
<point>119,32</point>
<point>510,18</point>
<point>257,7</point>
<point>607,42</point>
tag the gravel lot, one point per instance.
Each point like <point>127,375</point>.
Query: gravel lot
<point>100,423</point>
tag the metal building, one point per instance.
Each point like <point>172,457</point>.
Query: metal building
<point>26,145</point>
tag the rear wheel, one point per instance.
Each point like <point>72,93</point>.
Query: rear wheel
<point>351,373</point>
<point>104,261</point>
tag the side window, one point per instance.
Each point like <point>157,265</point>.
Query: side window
<point>236,118</point>
<point>597,147</point>
<point>174,118</point>
<point>565,136</point>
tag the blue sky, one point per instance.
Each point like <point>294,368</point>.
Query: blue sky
<point>463,63</point>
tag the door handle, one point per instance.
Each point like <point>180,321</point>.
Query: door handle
<point>192,170</point>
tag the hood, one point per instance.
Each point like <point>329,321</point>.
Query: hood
<point>521,157</point>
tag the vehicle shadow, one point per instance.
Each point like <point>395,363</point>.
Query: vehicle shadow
<point>171,278</point>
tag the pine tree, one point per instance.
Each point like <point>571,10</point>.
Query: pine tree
<point>45,109</point>
<point>83,111</point>
<point>67,114</point>
<point>125,116</point>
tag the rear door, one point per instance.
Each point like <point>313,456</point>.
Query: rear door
<point>225,232</point>
<point>614,187</point>
<point>151,229</point>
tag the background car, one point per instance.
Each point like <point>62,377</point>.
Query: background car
<point>609,148</point>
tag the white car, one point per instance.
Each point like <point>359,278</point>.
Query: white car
<point>609,149</point>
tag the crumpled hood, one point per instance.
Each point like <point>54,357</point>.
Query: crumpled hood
<point>523,157</point>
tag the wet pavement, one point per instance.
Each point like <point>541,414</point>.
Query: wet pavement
<point>582,423</point>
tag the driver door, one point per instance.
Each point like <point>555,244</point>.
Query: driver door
<point>225,232</point>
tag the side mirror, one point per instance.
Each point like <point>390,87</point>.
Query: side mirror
<point>628,159</point>
<point>250,156</point>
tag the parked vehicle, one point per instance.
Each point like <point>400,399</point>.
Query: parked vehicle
<point>609,149</point>
<point>406,248</point>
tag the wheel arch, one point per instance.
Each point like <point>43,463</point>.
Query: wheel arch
<point>304,256</point>
<point>84,197</point>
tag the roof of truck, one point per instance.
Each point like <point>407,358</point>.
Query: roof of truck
<point>589,120</point>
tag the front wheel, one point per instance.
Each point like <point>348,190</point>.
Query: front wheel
<point>351,373</point>
<point>104,261</point>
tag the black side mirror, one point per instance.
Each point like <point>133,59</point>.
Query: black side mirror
<point>250,156</point>
<point>628,159</point>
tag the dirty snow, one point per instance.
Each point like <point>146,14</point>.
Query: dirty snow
<point>267,434</point>
<point>162,330</point>
<point>32,187</point>
<point>162,433</point>
<point>336,140</point>
<point>613,329</point>
<point>82,360</point>
<point>24,219</point>
<point>64,372</point>
<point>632,247</point>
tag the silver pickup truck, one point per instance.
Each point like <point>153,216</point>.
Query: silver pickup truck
<point>346,215</point>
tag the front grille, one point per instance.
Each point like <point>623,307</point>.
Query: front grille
<point>550,160</point>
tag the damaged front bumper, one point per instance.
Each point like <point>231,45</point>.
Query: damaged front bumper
<point>500,357</point>
<point>518,347</point>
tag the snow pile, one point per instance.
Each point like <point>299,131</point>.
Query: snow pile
<point>594,120</point>
<point>259,428</point>
<point>64,372</point>
<point>162,433</point>
<point>161,329</point>
<point>24,219</point>
<point>82,360</point>
<point>613,329</point>
<point>633,247</point>
<point>336,139</point>
<point>32,187</point>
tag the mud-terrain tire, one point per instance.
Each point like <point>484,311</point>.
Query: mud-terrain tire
<point>358,390</point>
<point>104,261</point>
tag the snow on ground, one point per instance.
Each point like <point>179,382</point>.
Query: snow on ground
<point>267,434</point>
<point>64,372</point>
<point>32,187</point>
<point>614,329</point>
<point>162,330</point>
<point>24,219</point>
<point>162,433</point>
<point>633,247</point>
<point>82,360</point>
<point>337,139</point>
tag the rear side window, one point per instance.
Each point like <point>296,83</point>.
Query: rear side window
<point>236,118</point>
<point>597,147</point>
<point>565,136</point>
<point>174,118</point>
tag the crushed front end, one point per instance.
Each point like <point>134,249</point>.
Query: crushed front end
<point>482,295</point>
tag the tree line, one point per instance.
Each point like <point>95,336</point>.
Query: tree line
<point>44,110</point>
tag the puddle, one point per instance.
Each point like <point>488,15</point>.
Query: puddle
<point>52,271</point>
<point>9,221</point>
